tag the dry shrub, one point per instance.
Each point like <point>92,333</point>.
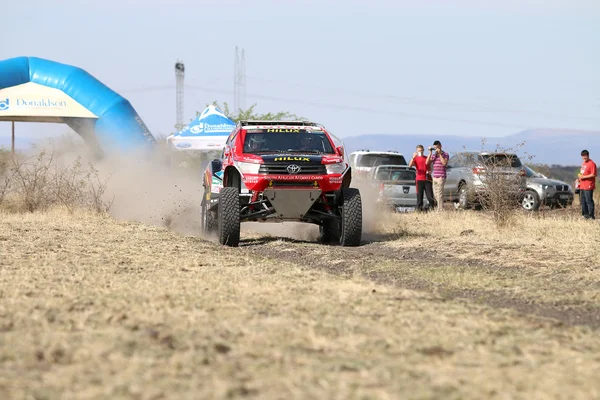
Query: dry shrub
<point>42,181</point>
<point>4,162</point>
<point>4,159</point>
<point>502,182</point>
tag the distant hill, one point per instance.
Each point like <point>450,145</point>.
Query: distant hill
<point>541,146</point>
<point>564,173</point>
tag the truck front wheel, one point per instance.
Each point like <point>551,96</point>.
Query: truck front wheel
<point>229,217</point>
<point>351,211</point>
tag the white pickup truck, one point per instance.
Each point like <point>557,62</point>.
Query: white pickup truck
<point>363,162</point>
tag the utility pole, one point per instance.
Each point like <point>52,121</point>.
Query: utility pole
<point>179,74</point>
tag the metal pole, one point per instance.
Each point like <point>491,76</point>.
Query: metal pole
<point>13,137</point>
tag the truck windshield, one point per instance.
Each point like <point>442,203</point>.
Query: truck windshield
<point>372,160</point>
<point>300,141</point>
<point>529,173</point>
<point>502,160</point>
<point>393,174</point>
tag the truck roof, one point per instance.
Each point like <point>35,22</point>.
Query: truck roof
<point>276,123</point>
<point>486,153</point>
<point>388,152</point>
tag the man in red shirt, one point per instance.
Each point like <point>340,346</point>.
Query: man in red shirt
<point>419,161</point>
<point>587,184</point>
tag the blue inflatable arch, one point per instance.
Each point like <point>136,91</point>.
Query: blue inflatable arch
<point>114,124</point>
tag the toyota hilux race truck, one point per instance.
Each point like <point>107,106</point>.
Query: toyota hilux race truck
<point>275,171</point>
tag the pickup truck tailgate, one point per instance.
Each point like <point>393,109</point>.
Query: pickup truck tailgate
<point>399,193</point>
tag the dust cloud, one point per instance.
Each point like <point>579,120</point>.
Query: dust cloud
<point>140,184</point>
<point>371,213</point>
<point>144,188</point>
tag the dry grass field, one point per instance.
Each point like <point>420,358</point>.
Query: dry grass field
<point>430,307</point>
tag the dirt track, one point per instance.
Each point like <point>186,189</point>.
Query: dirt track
<point>406,260</point>
<point>347,262</point>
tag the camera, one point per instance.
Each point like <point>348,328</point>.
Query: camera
<point>431,148</point>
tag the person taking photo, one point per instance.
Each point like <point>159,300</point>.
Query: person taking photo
<point>424,185</point>
<point>438,160</point>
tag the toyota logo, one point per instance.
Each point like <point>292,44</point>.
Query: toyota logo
<point>293,169</point>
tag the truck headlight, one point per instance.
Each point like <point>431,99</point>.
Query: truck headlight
<point>248,168</point>
<point>336,168</point>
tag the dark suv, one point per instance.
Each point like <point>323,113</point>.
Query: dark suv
<point>274,171</point>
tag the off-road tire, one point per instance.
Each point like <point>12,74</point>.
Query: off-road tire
<point>351,210</point>
<point>530,201</point>
<point>228,217</point>
<point>208,221</point>
<point>330,231</point>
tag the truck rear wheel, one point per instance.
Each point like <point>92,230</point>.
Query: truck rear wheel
<point>208,220</point>
<point>351,227</point>
<point>229,217</point>
<point>330,231</point>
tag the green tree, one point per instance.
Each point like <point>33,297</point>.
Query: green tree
<point>250,113</point>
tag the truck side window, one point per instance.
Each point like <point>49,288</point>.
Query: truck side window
<point>353,160</point>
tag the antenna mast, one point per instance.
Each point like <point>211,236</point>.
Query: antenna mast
<point>179,74</point>
<point>243,82</point>
<point>239,81</point>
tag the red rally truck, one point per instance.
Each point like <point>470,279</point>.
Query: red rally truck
<point>275,171</point>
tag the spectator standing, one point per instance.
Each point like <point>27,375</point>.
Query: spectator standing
<point>587,184</point>
<point>438,159</point>
<point>419,161</point>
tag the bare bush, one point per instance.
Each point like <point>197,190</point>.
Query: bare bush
<point>498,181</point>
<point>4,160</point>
<point>39,182</point>
<point>4,187</point>
<point>30,180</point>
<point>4,179</point>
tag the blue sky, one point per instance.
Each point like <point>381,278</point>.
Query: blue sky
<point>477,68</point>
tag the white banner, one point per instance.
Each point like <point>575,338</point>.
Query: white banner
<point>35,101</point>
<point>190,143</point>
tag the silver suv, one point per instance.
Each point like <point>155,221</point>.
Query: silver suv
<point>467,173</point>
<point>542,191</point>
